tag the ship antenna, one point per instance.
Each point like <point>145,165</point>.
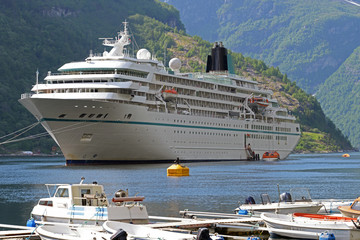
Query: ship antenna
<point>37,81</point>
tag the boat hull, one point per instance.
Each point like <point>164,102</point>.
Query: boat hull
<point>89,131</point>
<point>306,228</point>
<point>282,208</point>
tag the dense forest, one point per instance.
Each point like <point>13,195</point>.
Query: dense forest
<point>55,32</point>
<point>341,99</point>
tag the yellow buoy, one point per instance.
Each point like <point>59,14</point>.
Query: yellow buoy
<point>177,170</point>
<point>346,155</point>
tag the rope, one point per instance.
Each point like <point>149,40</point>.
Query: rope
<point>59,130</point>
<point>19,130</point>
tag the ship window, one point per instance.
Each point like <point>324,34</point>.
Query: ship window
<point>105,115</point>
<point>62,115</point>
<point>99,116</point>
<point>297,129</point>
<point>91,115</point>
<point>82,115</point>
<point>46,203</point>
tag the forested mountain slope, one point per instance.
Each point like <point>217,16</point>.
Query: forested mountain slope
<point>340,97</point>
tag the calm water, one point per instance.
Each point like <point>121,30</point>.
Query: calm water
<point>216,187</point>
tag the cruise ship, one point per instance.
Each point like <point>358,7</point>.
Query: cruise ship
<point>115,108</point>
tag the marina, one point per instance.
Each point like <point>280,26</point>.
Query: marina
<point>216,187</point>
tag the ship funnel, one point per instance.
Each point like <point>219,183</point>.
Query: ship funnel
<point>217,61</point>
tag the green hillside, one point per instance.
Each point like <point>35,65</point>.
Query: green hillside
<point>340,97</point>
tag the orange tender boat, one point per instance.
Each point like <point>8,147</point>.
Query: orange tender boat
<point>351,211</point>
<point>271,156</point>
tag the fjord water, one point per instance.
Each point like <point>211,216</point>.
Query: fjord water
<point>213,186</point>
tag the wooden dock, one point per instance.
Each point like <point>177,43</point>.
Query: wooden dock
<point>20,233</point>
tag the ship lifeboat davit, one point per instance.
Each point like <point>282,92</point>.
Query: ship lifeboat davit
<point>271,156</point>
<point>346,155</point>
<point>169,94</point>
<point>259,101</point>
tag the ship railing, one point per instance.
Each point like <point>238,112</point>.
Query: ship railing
<point>26,95</point>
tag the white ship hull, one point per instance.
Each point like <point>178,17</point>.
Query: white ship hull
<point>147,136</point>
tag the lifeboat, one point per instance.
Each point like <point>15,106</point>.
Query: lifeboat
<point>169,94</point>
<point>271,156</point>
<point>259,101</point>
<point>346,155</point>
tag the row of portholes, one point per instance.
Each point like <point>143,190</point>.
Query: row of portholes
<point>208,133</point>
<point>205,123</point>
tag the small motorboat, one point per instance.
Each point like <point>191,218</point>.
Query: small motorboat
<point>80,203</point>
<point>298,200</point>
<point>311,226</point>
<point>351,211</point>
<point>331,206</point>
<point>69,232</point>
<point>147,232</point>
<point>271,156</point>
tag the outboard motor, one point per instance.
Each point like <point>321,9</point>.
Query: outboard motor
<point>203,234</point>
<point>249,200</point>
<point>285,197</point>
<point>119,235</point>
<point>327,236</point>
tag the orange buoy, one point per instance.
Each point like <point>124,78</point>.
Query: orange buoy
<point>346,155</point>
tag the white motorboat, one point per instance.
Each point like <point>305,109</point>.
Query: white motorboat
<point>298,200</point>
<point>143,231</point>
<point>80,203</point>
<point>330,206</point>
<point>116,231</point>
<point>67,232</point>
<point>311,226</point>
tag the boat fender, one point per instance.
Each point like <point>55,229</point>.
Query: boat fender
<point>203,234</point>
<point>31,223</point>
<point>253,238</point>
<point>249,200</point>
<point>327,236</point>
<point>119,235</point>
<point>242,212</point>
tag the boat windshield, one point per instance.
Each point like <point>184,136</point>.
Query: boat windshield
<point>356,206</point>
<point>62,192</point>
